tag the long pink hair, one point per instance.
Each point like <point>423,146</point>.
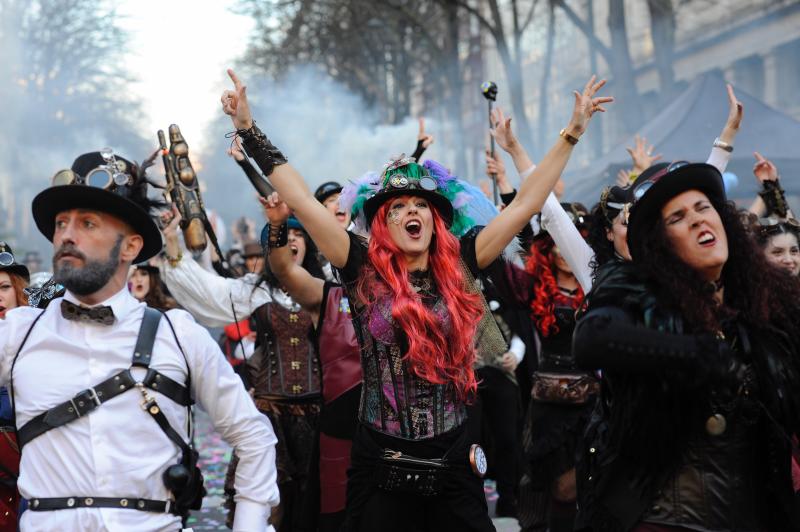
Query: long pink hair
<point>433,356</point>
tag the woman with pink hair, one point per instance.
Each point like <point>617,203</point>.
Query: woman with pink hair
<point>419,318</point>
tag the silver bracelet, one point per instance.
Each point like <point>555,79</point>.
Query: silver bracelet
<point>723,145</point>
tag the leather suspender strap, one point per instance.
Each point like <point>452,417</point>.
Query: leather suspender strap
<point>79,406</point>
<point>88,400</point>
<point>143,351</point>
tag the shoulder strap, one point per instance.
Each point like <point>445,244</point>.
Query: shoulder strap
<point>143,351</point>
<point>11,374</point>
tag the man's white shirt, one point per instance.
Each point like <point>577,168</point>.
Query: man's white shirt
<point>118,450</point>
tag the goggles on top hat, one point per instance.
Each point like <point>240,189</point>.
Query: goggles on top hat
<point>108,176</point>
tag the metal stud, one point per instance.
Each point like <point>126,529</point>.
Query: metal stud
<point>88,501</point>
<point>123,503</point>
<point>140,504</point>
<point>70,502</point>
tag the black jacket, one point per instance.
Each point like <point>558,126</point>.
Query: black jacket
<point>657,379</point>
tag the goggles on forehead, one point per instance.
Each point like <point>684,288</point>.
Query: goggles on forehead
<point>107,176</point>
<point>639,189</point>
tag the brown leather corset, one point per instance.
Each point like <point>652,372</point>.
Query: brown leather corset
<point>286,362</point>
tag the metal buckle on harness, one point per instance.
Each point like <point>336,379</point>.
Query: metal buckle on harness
<point>148,401</point>
<point>88,394</point>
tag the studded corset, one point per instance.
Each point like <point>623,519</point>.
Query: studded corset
<point>288,364</point>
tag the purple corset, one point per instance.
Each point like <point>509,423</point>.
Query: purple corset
<point>394,400</point>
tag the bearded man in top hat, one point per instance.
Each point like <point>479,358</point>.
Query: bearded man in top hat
<point>102,385</point>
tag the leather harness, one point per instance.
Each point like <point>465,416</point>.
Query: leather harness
<point>88,400</point>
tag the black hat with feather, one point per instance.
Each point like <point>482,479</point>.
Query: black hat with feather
<point>102,181</point>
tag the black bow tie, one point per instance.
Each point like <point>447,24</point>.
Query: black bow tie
<point>73,312</point>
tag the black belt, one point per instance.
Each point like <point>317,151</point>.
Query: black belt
<point>69,503</point>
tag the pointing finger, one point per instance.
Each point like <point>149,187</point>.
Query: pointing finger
<point>236,83</point>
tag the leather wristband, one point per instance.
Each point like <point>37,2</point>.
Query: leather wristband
<point>277,237</point>
<point>774,199</point>
<point>258,147</point>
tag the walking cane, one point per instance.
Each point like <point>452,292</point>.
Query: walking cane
<point>489,91</point>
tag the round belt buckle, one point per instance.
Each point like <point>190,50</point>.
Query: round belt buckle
<point>477,460</point>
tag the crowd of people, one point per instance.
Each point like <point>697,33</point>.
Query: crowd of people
<point>390,342</point>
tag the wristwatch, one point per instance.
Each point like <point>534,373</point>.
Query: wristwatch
<point>723,145</point>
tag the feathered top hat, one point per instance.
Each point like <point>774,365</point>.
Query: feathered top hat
<point>102,181</point>
<point>461,205</point>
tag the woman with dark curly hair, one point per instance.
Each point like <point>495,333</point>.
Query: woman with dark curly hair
<point>697,339</point>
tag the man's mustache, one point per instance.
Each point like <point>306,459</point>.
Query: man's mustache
<point>70,250</point>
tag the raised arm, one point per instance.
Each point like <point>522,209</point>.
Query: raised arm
<point>534,189</point>
<point>723,145</point>
<point>213,300</point>
<point>330,237</point>
<point>304,288</point>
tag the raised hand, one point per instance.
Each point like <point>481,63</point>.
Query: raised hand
<point>586,105</point>
<point>502,130</point>
<point>425,138</point>
<point>276,211</point>
<point>764,170</point>
<point>234,103</point>
<point>735,110</point>
<point>642,155</point>
<point>171,220</point>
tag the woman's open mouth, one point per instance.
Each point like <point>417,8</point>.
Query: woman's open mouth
<point>706,239</point>
<point>293,249</point>
<point>414,229</point>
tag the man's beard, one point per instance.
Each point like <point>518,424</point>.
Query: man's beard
<point>90,278</point>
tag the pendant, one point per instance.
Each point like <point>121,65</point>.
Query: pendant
<point>716,425</point>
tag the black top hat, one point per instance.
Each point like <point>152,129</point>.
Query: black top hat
<point>659,184</point>
<point>8,263</point>
<point>123,195</point>
<point>612,202</point>
<point>326,190</point>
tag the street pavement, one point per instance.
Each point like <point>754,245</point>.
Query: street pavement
<point>214,457</point>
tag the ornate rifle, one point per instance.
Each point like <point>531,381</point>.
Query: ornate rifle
<point>183,188</point>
